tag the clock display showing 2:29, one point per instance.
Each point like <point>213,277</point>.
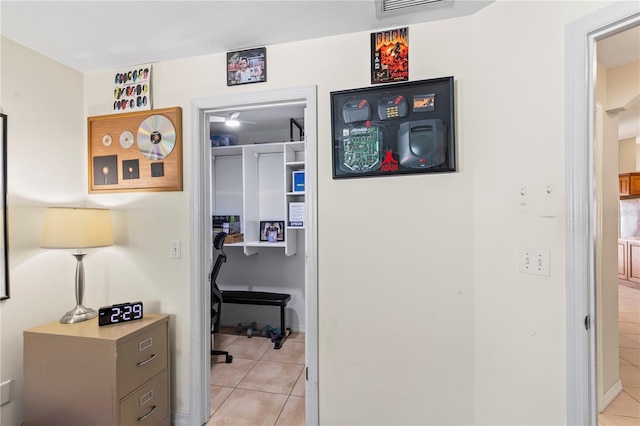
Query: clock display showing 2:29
<point>119,313</point>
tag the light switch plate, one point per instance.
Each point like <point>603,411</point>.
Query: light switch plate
<point>534,261</point>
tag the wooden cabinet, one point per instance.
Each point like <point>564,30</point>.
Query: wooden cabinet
<point>633,261</point>
<point>83,374</point>
<point>629,260</point>
<point>622,259</point>
<point>255,181</point>
<point>629,185</point>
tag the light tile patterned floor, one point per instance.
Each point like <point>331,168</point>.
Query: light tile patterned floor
<point>625,409</point>
<point>262,386</point>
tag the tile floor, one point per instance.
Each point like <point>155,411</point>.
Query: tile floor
<point>262,386</point>
<point>625,409</point>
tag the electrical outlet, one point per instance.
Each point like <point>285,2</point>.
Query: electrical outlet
<point>534,261</point>
<point>174,247</point>
<point>5,392</point>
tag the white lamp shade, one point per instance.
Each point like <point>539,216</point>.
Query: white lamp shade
<point>76,228</point>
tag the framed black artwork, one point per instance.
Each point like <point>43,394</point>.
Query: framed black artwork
<point>394,129</point>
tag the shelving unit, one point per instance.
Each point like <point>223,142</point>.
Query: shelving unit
<point>256,180</point>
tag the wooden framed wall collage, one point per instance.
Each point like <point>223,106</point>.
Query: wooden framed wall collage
<point>137,151</point>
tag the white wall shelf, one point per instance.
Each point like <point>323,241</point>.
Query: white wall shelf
<point>255,181</point>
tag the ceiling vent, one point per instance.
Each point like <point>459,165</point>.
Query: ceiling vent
<point>399,7</point>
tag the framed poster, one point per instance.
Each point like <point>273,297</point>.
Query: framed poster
<point>247,66</point>
<point>132,90</point>
<point>4,245</point>
<point>136,151</point>
<point>390,56</point>
<point>394,129</point>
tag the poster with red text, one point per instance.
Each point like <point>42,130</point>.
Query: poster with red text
<point>390,56</point>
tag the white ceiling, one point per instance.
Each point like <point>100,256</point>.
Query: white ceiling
<point>619,49</point>
<point>103,35</point>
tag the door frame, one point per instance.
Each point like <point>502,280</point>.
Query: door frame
<point>201,243</point>
<point>581,212</point>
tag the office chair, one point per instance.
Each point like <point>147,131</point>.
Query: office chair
<point>216,294</point>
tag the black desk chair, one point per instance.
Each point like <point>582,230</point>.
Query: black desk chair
<point>216,295</point>
<point>243,298</point>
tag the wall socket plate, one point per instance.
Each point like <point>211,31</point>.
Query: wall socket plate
<point>5,392</point>
<point>175,251</point>
<point>534,261</point>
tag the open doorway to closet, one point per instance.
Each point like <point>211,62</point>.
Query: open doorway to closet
<point>249,173</point>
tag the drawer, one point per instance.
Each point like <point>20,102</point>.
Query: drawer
<point>141,358</point>
<point>148,405</point>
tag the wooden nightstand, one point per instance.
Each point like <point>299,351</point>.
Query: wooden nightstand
<point>82,374</point>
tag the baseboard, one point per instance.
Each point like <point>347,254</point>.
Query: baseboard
<point>630,284</point>
<point>180,419</point>
<point>610,395</point>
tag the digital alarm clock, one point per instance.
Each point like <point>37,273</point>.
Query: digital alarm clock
<point>119,313</point>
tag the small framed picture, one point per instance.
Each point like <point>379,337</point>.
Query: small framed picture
<point>272,230</point>
<point>247,66</point>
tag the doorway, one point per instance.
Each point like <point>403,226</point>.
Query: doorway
<point>201,237</point>
<point>582,212</point>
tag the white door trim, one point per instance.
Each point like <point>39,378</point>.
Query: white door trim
<point>580,38</point>
<point>201,250</point>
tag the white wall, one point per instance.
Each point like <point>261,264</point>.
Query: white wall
<point>428,323</point>
<point>518,142</point>
<point>628,151</point>
<point>47,166</point>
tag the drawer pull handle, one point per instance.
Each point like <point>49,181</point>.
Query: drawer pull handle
<point>146,361</point>
<point>148,414</point>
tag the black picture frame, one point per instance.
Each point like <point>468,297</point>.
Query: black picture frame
<point>265,227</point>
<point>4,245</point>
<point>394,129</point>
<point>255,70</point>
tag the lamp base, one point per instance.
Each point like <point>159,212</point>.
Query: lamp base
<point>78,314</point>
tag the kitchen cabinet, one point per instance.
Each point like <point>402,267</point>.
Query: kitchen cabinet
<point>629,260</point>
<point>629,185</point>
<point>622,259</point>
<point>83,374</point>
<point>633,261</point>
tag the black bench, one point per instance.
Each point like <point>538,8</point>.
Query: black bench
<point>264,299</point>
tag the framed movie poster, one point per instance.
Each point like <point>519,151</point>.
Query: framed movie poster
<point>394,129</point>
<point>247,66</point>
<point>390,56</point>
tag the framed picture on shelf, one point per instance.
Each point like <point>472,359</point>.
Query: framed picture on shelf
<point>272,230</point>
<point>394,129</point>
<point>247,66</point>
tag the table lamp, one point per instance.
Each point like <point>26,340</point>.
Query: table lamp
<point>77,228</point>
